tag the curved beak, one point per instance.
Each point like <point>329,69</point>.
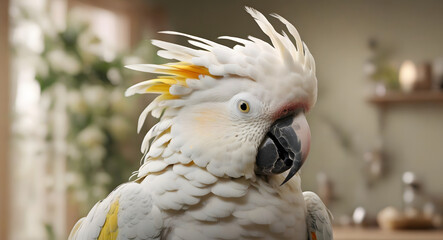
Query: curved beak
<point>285,146</point>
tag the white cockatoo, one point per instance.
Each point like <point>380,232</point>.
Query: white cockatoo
<point>223,161</point>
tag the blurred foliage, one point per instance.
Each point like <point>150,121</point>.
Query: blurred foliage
<point>378,66</point>
<point>50,232</point>
<point>101,136</point>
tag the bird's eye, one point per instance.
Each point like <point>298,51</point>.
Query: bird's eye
<point>243,106</point>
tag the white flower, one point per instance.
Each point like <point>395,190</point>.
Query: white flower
<point>118,127</point>
<point>91,136</point>
<point>35,6</point>
<point>47,26</point>
<point>76,103</point>
<point>90,45</point>
<point>28,35</point>
<point>96,97</point>
<point>114,76</point>
<point>63,62</point>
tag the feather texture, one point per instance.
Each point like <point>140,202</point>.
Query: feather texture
<point>318,218</point>
<point>189,185</point>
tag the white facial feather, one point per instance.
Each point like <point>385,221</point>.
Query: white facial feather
<point>216,135</point>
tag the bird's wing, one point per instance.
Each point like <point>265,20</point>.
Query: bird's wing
<point>318,218</point>
<point>127,213</point>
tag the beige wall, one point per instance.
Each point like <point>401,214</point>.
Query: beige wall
<point>337,33</point>
<point>4,119</point>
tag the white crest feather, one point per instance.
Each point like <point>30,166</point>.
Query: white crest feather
<point>199,68</point>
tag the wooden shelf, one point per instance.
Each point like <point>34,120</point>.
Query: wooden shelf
<point>413,97</point>
<point>344,233</point>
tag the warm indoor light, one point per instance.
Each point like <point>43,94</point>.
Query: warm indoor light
<point>408,76</point>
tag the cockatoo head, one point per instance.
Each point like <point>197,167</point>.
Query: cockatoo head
<point>238,112</point>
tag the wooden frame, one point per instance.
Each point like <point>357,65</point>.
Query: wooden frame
<point>4,119</point>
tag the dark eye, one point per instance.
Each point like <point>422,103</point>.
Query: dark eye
<point>243,106</point>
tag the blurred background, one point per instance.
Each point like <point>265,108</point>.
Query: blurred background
<point>68,135</point>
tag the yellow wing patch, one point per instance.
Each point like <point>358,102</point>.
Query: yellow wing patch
<point>110,228</point>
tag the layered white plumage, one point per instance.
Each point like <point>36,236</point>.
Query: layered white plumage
<point>318,217</point>
<point>197,179</point>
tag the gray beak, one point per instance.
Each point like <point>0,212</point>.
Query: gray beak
<point>285,146</point>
